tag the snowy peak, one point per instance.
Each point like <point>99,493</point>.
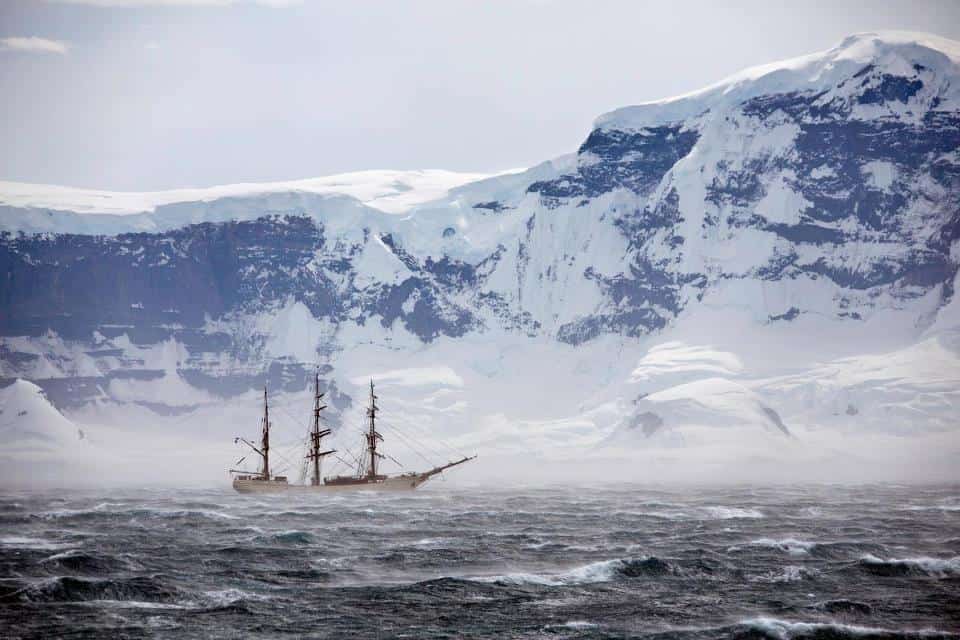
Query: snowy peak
<point>901,59</point>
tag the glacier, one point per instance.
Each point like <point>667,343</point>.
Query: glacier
<point>762,272</point>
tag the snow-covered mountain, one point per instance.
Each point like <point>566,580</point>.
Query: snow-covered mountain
<point>770,259</point>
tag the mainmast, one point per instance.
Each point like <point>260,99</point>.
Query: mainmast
<point>372,435</point>
<point>265,440</point>
<point>317,434</point>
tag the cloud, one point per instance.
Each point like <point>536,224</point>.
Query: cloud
<point>33,44</point>
<point>182,3</point>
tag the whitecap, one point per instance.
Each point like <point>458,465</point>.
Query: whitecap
<point>665,515</point>
<point>538,545</point>
<point>925,564</point>
<point>23,542</point>
<point>129,604</point>
<point>107,506</point>
<point>602,571</point>
<point>206,513</point>
<point>427,542</point>
<point>785,630</point>
<point>794,573</point>
<point>728,513</point>
<point>580,624</point>
<point>790,545</point>
<point>225,597</point>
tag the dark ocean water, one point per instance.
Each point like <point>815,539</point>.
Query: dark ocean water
<point>634,562</point>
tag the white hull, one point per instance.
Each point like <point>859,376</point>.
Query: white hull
<point>399,483</point>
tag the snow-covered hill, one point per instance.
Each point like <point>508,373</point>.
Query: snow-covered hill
<point>763,264</point>
<point>29,423</point>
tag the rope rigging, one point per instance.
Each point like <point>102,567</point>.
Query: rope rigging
<point>364,465</point>
<point>414,426</point>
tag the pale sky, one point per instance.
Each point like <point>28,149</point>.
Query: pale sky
<point>154,94</point>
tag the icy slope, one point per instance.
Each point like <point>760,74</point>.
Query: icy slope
<point>917,387</point>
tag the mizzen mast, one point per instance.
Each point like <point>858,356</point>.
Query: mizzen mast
<point>316,434</point>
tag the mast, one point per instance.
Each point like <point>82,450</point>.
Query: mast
<point>372,435</point>
<point>264,450</point>
<point>316,434</point>
<point>265,441</point>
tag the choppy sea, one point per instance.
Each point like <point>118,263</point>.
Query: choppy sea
<point>820,562</point>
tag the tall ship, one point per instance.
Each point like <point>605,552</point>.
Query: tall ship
<point>367,475</point>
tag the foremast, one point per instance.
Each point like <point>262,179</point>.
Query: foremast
<point>315,455</point>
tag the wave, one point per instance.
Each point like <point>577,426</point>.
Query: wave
<point>108,506</point>
<point>290,537</point>
<point>226,597</point>
<point>698,513</point>
<point>844,606</point>
<point>103,509</point>
<point>72,589</point>
<point>239,530</point>
<point>574,624</point>
<point>182,513</point>
<point>785,630</point>
<point>550,546</point>
<point>24,542</point>
<point>215,506</point>
<point>77,561</point>
<point>428,542</point>
<point>133,604</point>
<point>792,573</point>
<point>663,515</point>
<point>729,513</point>
<point>603,571</point>
<point>842,549</point>
<point>789,545</point>
<point>911,566</point>
<point>309,575</point>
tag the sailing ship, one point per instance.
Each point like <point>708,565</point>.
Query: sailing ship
<point>368,476</point>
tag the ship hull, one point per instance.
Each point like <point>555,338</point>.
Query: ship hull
<point>402,483</point>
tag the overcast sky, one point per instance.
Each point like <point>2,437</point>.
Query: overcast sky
<point>152,94</point>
